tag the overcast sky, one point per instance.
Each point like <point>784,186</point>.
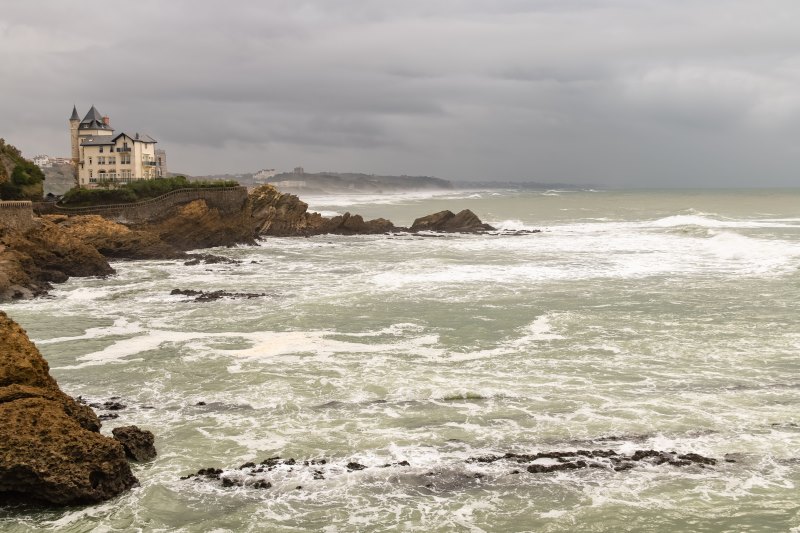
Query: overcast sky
<point>615,92</point>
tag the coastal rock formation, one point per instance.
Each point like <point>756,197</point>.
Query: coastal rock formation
<point>50,446</point>
<point>445,221</point>
<point>30,260</point>
<point>114,240</point>
<point>196,225</point>
<point>138,443</point>
<point>278,214</point>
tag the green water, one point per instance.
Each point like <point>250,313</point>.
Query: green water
<point>636,320</point>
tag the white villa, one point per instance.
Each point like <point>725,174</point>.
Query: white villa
<point>102,157</point>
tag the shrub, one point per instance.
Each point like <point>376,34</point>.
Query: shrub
<point>136,191</point>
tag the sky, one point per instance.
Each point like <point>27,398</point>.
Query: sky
<point>641,93</point>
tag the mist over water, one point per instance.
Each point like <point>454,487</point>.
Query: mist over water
<point>635,320</point>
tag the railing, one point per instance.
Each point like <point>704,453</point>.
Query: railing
<point>123,149</point>
<point>226,199</point>
<point>149,200</point>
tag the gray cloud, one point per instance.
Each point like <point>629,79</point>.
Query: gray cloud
<point>623,92</point>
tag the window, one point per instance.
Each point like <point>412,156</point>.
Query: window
<point>101,149</point>
<point>112,160</point>
<point>101,160</point>
<point>90,172</point>
<point>90,160</point>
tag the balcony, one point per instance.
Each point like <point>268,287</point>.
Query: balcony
<point>123,149</point>
<point>149,163</point>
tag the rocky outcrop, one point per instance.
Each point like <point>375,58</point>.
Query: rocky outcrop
<point>278,214</point>
<point>348,224</point>
<point>138,443</point>
<point>31,260</point>
<point>50,446</point>
<point>196,225</point>
<point>115,240</point>
<point>445,221</point>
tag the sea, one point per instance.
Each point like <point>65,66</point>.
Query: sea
<point>635,320</point>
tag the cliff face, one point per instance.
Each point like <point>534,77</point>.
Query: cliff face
<point>50,446</point>
<point>30,260</point>
<point>196,225</point>
<point>284,215</point>
<point>114,240</point>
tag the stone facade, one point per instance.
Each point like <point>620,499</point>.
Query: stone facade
<point>16,215</point>
<point>102,157</point>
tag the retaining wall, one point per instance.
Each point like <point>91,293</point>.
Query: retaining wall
<point>17,215</point>
<point>228,200</point>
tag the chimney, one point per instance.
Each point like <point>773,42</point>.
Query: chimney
<point>106,120</point>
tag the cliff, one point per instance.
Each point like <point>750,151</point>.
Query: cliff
<point>278,214</point>
<point>30,260</point>
<point>50,446</point>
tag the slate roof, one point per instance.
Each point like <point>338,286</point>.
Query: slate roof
<point>94,121</point>
<point>74,114</point>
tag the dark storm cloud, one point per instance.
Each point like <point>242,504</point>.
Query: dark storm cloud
<point>645,92</point>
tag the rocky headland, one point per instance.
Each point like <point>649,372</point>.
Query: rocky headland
<point>51,449</point>
<point>58,246</point>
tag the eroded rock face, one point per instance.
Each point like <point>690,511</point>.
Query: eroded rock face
<point>446,221</point>
<point>138,443</point>
<point>31,260</point>
<point>50,446</point>
<point>278,214</point>
<point>115,240</point>
<point>196,225</point>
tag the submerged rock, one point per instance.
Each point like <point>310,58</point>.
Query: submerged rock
<point>203,296</point>
<point>138,443</point>
<point>50,446</point>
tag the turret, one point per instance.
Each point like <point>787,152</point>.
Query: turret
<point>74,122</point>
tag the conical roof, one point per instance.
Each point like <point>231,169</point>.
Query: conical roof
<point>94,121</point>
<point>93,114</point>
<point>74,114</point>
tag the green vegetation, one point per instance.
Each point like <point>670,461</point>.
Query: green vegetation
<point>135,191</point>
<point>20,179</point>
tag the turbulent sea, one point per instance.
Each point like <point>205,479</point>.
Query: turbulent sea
<point>635,320</point>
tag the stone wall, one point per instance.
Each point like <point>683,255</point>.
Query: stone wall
<point>228,200</point>
<point>17,215</point>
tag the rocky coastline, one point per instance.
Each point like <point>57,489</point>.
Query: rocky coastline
<point>51,448</point>
<point>58,247</point>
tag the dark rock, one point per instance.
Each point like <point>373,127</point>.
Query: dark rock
<point>247,465</point>
<point>200,403</point>
<point>445,221</point>
<point>51,449</point>
<point>261,484</point>
<point>108,416</point>
<point>113,406</point>
<point>355,466</point>
<point>209,259</point>
<point>138,443</point>
<point>210,296</point>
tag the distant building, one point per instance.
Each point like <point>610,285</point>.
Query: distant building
<point>161,164</point>
<point>46,161</point>
<point>42,161</point>
<point>299,171</point>
<point>263,175</point>
<point>102,157</point>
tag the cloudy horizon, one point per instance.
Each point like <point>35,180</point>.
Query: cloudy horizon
<point>648,93</point>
